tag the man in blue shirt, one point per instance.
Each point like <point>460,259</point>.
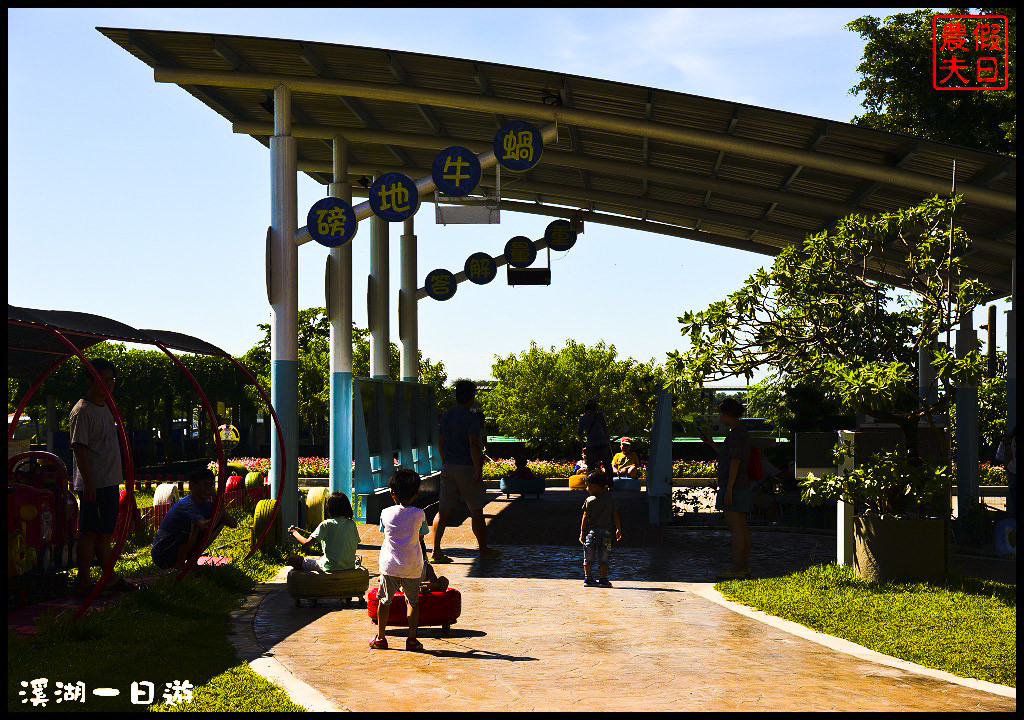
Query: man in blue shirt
<point>462,466</point>
<point>185,525</point>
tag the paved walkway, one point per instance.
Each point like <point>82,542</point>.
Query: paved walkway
<point>532,638</point>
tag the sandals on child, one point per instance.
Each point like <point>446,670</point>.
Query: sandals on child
<point>377,643</point>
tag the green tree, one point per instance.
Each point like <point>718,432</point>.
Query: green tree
<point>540,394</point>
<point>899,97</point>
<point>314,368</point>
<point>817,317</point>
<point>795,407</point>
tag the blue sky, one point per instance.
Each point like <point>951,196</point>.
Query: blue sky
<point>132,200</point>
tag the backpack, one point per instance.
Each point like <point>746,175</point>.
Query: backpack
<point>755,468</point>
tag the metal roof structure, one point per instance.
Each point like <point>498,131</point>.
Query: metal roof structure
<point>629,156</point>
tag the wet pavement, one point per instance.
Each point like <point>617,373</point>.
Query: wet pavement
<point>531,637</point>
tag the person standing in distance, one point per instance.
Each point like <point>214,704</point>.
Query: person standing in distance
<point>462,467</point>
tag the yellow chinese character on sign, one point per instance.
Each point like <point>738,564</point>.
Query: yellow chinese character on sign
<point>518,147</point>
<point>330,222</point>
<point>479,268</point>
<point>439,284</point>
<point>518,252</point>
<point>560,234</point>
<point>395,197</point>
<point>459,163</point>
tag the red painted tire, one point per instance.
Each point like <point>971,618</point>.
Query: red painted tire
<point>436,608</point>
<point>235,484</point>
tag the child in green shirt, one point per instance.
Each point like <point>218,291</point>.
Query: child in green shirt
<point>337,534</point>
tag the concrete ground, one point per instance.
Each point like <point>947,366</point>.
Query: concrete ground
<point>531,637</point>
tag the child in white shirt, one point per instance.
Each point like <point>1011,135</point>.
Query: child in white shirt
<point>401,559</point>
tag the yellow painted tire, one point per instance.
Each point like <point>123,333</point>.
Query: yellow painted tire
<point>578,482</point>
<point>343,584</point>
<point>264,509</point>
<point>316,505</point>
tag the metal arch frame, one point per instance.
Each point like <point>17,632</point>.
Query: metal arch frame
<point>130,467</point>
<point>108,569</point>
<point>222,464</point>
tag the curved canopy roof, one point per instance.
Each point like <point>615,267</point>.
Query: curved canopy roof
<point>32,348</point>
<point>693,167</point>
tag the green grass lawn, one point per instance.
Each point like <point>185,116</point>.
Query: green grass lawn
<point>164,633</point>
<point>966,627</point>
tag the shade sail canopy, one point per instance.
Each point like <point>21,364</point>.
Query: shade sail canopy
<point>32,347</point>
<point>686,166</point>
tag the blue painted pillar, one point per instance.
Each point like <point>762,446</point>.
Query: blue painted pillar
<point>284,302</point>
<point>339,314</point>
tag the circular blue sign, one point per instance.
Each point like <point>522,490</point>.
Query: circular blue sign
<point>560,235</point>
<point>481,268</point>
<point>331,222</point>
<point>456,171</point>
<point>520,252</point>
<point>394,198</point>
<point>518,146</point>
<point>440,284</point>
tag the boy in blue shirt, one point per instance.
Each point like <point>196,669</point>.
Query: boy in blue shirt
<point>186,523</point>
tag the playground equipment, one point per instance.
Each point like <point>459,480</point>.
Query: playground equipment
<point>42,521</point>
<point>343,584</point>
<point>40,341</point>
<point>436,608</point>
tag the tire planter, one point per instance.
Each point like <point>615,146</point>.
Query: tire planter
<point>235,483</point>
<point>344,585</point>
<point>261,517</point>
<point>165,494</point>
<point>899,549</point>
<point>522,486</point>
<point>316,504</point>
<point>254,486</point>
<point>436,608</point>
<point>578,482</point>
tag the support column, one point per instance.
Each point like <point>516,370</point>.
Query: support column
<point>408,315</point>
<point>1011,353</point>
<point>966,425</point>
<point>284,303</point>
<point>339,314</point>
<point>377,290</point>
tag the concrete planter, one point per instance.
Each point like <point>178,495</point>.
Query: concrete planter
<point>899,549</point>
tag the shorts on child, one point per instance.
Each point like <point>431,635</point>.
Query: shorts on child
<point>100,517</point>
<point>742,498</point>
<point>390,584</point>
<point>313,564</point>
<point>597,546</point>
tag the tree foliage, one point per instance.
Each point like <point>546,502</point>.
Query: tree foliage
<point>540,394</point>
<point>899,97</point>
<point>818,317</point>
<point>314,368</point>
